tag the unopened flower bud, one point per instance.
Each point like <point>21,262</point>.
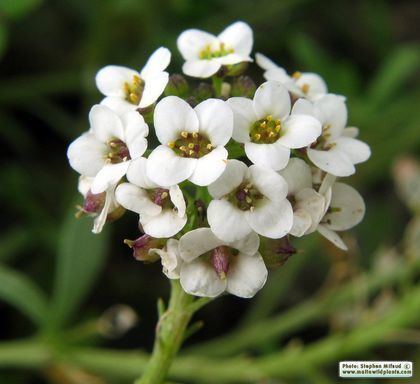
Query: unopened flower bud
<point>220,261</point>
<point>147,113</point>
<point>177,86</point>
<point>243,86</point>
<point>141,247</point>
<point>93,203</point>
<point>204,91</point>
<point>235,69</point>
<point>277,252</point>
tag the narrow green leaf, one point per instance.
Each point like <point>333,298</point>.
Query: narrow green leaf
<point>80,258</point>
<point>20,292</point>
<point>3,38</point>
<point>18,8</point>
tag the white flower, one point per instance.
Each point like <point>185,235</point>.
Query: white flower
<point>212,266</point>
<point>99,206</point>
<point>162,210</point>
<point>302,84</point>
<point>105,151</point>
<point>192,141</point>
<point>336,151</point>
<point>345,211</point>
<point>169,257</point>
<point>204,53</point>
<point>268,129</point>
<point>309,206</point>
<point>126,89</point>
<point>249,199</point>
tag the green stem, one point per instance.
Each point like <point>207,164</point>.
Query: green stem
<point>217,85</point>
<point>170,333</point>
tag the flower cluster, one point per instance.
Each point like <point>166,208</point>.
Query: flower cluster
<point>235,166</point>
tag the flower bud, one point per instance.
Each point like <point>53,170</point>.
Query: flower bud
<point>220,261</point>
<point>141,247</point>
<point>234,69</point>
<point>147,113</point>
<point>177,86</point>
<point>204,91</point>
<point>243,86</point>
<point>277,252</point>
<point>92,205</point>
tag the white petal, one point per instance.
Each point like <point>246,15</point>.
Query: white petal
<point>272,98</point>
<point>226,221</point>
<point>243,118</point>
<point>317,85</point>
<point>173,115</point>
<point>327,182</point>
<point>333,237</point>
<point>302,221</point>
<point>171,263</point>
<point>247,275</point>
<point>166,168</point>
<point>231,178</point>
<point>305,107</point>
<point>352,132</point>
<point>109,175</point>
<point>297,175</point>
<point>279,74</point>
<point>332,161</point>
<point>87,154</point>
<point>153,87</point>
<point>165,224</point>
<point>312,202</point>
<point>239,37</point>
<point>137,175</point>
<point>216,120</point>
<point>248,245</point>
<point>200,279</point>
<point>274,156</point>
<point>332,111</point>
<point>110,80</point>
<point>351,208</point>
<point>118,104</point>
<point>157,62</point>
<point>201,68</point>
<point>268,182</point>
<point>100,220</point>
<point>264,62</point>
<point>209,167</point>
<point>83,186</point>
<point>135,131</point>
<point>177,199</point>
<point>197,242</point>
<point>136,199</point>
<point>191,42</point>
<point>356,150</point>
<point>232,58</point>
<point>272,219</point>
<point>298,131</point>
<point>105,124</point>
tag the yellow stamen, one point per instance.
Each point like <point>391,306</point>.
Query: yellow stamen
<point>191,152</point>
<point>171,144</point>
<point>271,134</point>
<point>164,195</point>
<point>269,117</point>
<point>278,128</point>
<point>263,124</point>
<point>209,146</point>
<point>296,75</point>
<point>191,145</point>
<point>305,88</point>
<point>184,134</point>
<point>248,200</point>
<point>194,135</point>
<point>183,148</point>
<point>278,122</point>
<point>133,98</point>
<point>257,136</point>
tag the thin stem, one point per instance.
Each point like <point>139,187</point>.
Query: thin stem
<point>217,85</point>
<point>170,332</point>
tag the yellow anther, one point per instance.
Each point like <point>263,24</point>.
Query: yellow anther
<point>112,144</point>
<point>269,118</point>
<point>191,152</point>
<point>305,88</point>
<point>136,80</point>
<point>195,135</point>
<point>251,208</point>
<point>133,98</point>
<point>209,146</point>
<point>257,136</point>
<point>263,124</point>
<point>191,145</point>
<point>183,148</point>
<point>164,195</point>
<point>222,275</point>
<point>278,122</point>
<point>184,134</point>
<point>248,200</point>
<point>246,190</point>
<point>278,128</point>
<point>296,75</point>
<point>271,134</point>
<point>171,144</point>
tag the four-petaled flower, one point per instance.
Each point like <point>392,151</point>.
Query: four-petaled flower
<point>126,89</point>
<point>205,53</point>
<point>192,141</point>
<point>106,150</point>
<point>249,199</point>
<point>267,127</point>
<point>212,266</point>
<point>162,210</point>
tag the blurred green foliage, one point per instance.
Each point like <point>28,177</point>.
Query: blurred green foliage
<point>62,278</point>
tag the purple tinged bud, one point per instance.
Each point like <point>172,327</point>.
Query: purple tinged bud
<point>177,86</point>
<point>243,86</point>
<point>94,202</point>
<point>141,247</point>
<point>220,260</point>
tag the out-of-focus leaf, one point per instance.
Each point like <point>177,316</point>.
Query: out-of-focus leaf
<point>400,66</point>
<point>19,291</point>
<point>13,241</point>
<point>3,38</point>
<point>80,258</point>
<point>18,8</point>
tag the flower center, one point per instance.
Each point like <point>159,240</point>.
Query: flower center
<point>193,145</point>
<point>245,197</point>
<point>134,90</point>
<point>220,259</point>
<point>118,151</point>
<point>209,52</point>
<point>322,142</point>
<point>265,131</point>
<point>160,196</point>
